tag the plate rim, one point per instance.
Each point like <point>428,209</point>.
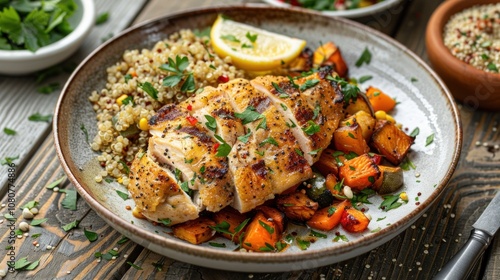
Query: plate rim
<point>272,258</point>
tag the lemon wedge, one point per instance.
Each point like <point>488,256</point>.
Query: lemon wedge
<point>252,48</point>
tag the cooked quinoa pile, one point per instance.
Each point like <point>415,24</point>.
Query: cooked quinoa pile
<point>473,36</point>
<point>136,88</point>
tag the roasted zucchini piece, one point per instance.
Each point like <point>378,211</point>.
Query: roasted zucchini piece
<point>317,190</point>
<point>390,180</point>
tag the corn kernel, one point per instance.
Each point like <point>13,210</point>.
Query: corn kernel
<point>119,180</point>
<point>381,115</point>
<point>143,124</point>
<point>390,118</point>
<point>120,99</point>
<point>403,196</point>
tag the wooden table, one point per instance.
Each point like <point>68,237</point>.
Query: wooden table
<point>417,253</point>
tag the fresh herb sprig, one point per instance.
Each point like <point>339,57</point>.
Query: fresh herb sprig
<point>178,68</point>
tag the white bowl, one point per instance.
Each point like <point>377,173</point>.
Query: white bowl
<point>18,62</point>
<point>354,13</point>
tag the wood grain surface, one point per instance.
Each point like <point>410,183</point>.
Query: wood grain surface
<point>417,253</point>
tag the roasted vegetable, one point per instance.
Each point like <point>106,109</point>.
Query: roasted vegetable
<point>361,104</point>
<point>317,190</point>
<point>297,206</point>
<point>329,54</point>
<point>379,100</point>
<point>359,172</point>
<point>354,220</point>
<point>390,180</point>
<point>195,231</point>
<point>329,217</point>
<point>366,122</point>
<point>233,218</point>
<point>260,234</point>
<point>350,139</point>
<point>333,184</point>
<point>329,162</point>
<point>391,142</point>
<point>274,215</point>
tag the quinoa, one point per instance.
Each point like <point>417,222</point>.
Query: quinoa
<point>473,36</point>
<point>122,104</point>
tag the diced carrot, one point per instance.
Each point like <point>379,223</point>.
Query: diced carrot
<point>330,183</point>
<point>233,218</point>
<point>350,139</point>
<point>391,142</point>
<point>195,231</point>
<point>260,234</point>
<point>329,217</point>
<point>380,100</point>
<point>329,54</point>
<point>354,220</point>
<point>359,172</point>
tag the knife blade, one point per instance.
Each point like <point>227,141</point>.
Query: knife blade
<point>460,266</point>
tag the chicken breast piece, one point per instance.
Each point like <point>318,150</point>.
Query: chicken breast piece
<point>275,144</point>
<point>157,194</point>
<point>213,103</point>
<point>312,107</point>
<point>183,145</point>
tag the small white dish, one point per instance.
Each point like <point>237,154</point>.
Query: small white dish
<point>19,62</point>
<point>354,13</point>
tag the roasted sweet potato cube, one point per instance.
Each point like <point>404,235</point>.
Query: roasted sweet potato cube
<point>260,234</point>
<point>359,172</point>
<point>328,162</point>
<point>329,54</point>
<point>379,100</point>
<point>329,217</point>
<point>367,124</point>
<point>331,184</point>
<point>360,104</point>
<point>274,215</point>
<point>354,220</point>
<point>233,218</point>
<point>391,142</point>
<point>297,206</point>
<point>350,139</point>
<point>195,231</point>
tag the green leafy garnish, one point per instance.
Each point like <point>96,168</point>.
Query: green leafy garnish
<point>91,236</point>
<point>262,124</point>
<point>311,128</point>
<point>148,88</point>
<point>123,195</point>
<point>134,266</point>
<point>50,88</point>
<point>125,166</point>
<point>218,245</point>
<point>69,201</point>
<point>282,92</point>
<point>429,139</point>
<point>56,183</point>
<point>8,160</point>
<point>244,138</point>
<point>413,79</point>
<point>308,84</point>
<point>230,37</point>
<point>266,227</point>
<point>249,115</point>
<point>30,204</point>
<point>299,152</point>
<point>349,91</point>
<point>85,132</point>
<point>390,202</point>
<point>303,243</point>
<point>165,222</point>
<point>102,18</point>
<point>365,57</point>
<point>71,225</point>
<point>407,164</point>
<point>340,237</point>
<point>224,148</point>
<point>251,37</point>
<point>37,222</point>
<point>37,117</point>
<point>122,240</point>
<point>9,131</point>
<point>268,140</point>
<point>415,132</point>
<point>211,123</point>
<point>363,79</point>
<point>205,32</point>
<point>492,67</point>
<point>127,78</point>
<point>317,234</point>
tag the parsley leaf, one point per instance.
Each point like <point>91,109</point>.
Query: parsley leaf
<point>149,89</point>
<point>224,148</point>
<point>91,236</point>
<point>102,18</point>
<point>37,117</point>
<point>8,160</point>
<point>69,201</point>
<point>308,84</point>
<point>68,227</point>
<point>251,37</point>
<point>9,131</point>
<point>56,183</point>
<point>37,222</point>
<point>415,132</point>
<point>365,57</point>
<point>49,88</point>
<point>268,140</point>
<point>244,138</point>
<point>249,115</point>
<point>363,79</point>
<point>429,139</point>
<point>311,128</point>
<point>123,195</point>
<point>230,37</point>
<point>211,123</point>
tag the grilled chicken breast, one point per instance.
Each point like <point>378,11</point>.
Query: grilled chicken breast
<point>239,144</point>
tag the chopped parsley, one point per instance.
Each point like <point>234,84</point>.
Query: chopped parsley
<point>267,227</point>
<point>365,57</point>
<point>415,132</point>
<point>165,222</point>
<point>390,202</point>
<point>251,37</point>
<point>148,88</point>
<point>311,128</point>
<point>211,123</point>
<point>56,183</point>
<point>268,140</point>
<point>363,79</point>
<point>50,88</point>
<point>178,68</point>
<point>102,18</point>
<point>224,148</point>
<point>37,117</point>
<point>37,222</point>
<point>72,225</point>
<point>308,84</point>
<point>8,160</point>
<point>85,132</point>
<point>91,236</point>
<point>9,131</point>
<point>123,195</point>
<point>70,199</point>
<point>244,138</point>
<point>429,139</point>
<point>249,115</point>
<point>231,38</point>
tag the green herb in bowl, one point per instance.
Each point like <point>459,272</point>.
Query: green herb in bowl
<point>30,25</point>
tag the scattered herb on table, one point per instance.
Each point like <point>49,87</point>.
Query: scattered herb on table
<point>37,117</point>
<point>102,18</point>
<point>9,131</point>
<point>50,88</point>
<point>69,226</point>
<point>30,204</point>
<point>413,79</point>
<point>134,266</point>
<point>37,222</point>
<point>56,182</point>
<point>91,236</point>
<point>70,199</point>
<point>8,160</point>
<point>122,240</point>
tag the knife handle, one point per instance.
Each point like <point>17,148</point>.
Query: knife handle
<point>460,266</point>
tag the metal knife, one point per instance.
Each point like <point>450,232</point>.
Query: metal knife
<point>460,266</point>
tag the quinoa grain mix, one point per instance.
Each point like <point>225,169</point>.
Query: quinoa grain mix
<point>473,36</point>
<point>125,104</point>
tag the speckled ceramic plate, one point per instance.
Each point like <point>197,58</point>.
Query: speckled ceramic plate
<point>353,13</point>
<point>424,102</point>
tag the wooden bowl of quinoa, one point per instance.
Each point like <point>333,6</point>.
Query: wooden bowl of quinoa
<point>463,45</point>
